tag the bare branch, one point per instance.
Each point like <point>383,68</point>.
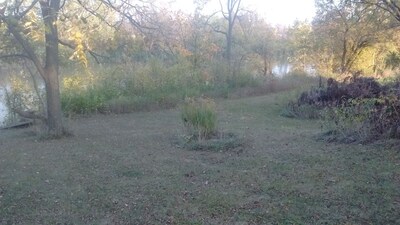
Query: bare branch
<point>222,11</point>
<point>237,10</point>
<point>14,56</point>
<point>94,13</point>
<point>123,11</point>
<point>26,11</point>
<point>392,7</point>
<point>218,30</point>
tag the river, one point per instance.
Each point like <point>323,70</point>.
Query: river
<point>3,108</point>
<point>281,70</point>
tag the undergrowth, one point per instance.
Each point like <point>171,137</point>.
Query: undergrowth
<point>364,119</point>
<point>357,110</point>
<point>136,87</point>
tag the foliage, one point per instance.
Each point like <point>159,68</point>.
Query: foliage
<point>141,86</point>
<point>392,60</point>
<point>80,96</point>
<point>365,119</point>
<point>301,45</point>
<point>358,110</point>
<point>150,57</point>
<point>355,27</point>
<point>199,117</point>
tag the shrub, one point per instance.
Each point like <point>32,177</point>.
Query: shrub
<point>199,117</point>
<point>86,94</point>
<point>349,122</point>
<point>83,102</point>
<point>365,119</point>
<point>358,109</point>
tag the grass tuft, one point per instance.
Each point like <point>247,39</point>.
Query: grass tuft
<point>199,117</point>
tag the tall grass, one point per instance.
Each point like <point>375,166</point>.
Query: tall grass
<point>84,94</point>
<point>199,117</point>
<point>155,84</point>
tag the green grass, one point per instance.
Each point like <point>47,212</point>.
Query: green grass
<point>126,169</point>
<point>156,85</point>
<point>199,116</point>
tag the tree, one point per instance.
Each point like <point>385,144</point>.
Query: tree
<point>354,26</point>
<point>260,41</point>
<point>393,7</point>
<point>200,42</point>
<point>230,13</point>
<point>301,45</point>
<point>13,17</point>
<point>16,18</point>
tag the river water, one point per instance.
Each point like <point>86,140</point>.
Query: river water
<point>281,70</point>
<point>3,108</point>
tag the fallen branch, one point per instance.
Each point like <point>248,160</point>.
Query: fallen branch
<point>30,114</point>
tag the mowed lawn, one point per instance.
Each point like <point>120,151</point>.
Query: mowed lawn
<point>129,169</point>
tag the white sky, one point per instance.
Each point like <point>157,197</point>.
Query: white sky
<point>283,12</point>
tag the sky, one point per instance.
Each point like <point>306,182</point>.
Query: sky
<point>276,12</point>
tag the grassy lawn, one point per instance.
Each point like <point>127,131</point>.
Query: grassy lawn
<point>127,169</point>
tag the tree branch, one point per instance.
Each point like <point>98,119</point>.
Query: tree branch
<point>94,13</point>
<point>30,7</point>
<point>92,53</point>
<point>14,56</point>
<point>222,11</point>
<point>29,114</point>
<point>126,14</point>
<point>12,27</point>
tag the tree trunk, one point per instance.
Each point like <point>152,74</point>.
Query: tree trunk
<point>265,68</point>
<point>54,113</point>
<point>343,68</point>
<point>229,45</point>
<point>233,7</point>
<point>51,71</point>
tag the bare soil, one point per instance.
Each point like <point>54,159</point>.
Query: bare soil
<point>127,169</point>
